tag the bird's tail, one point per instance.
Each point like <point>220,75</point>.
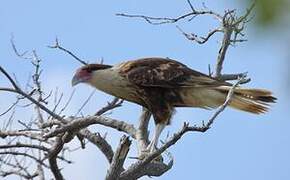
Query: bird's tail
<point>250,100</point>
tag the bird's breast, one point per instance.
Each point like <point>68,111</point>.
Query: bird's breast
<point>109,81</point>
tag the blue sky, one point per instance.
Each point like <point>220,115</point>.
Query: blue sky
<point>239,146</point>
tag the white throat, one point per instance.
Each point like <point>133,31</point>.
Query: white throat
<point>110,81</point>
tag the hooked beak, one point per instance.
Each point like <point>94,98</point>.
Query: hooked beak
<point>76,80</point>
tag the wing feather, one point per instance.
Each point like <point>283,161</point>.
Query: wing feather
<point>167,73</point>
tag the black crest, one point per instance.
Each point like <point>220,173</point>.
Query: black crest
<point>95,67</point>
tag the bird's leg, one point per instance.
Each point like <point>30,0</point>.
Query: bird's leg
<point>153,144</point>
<point>162,113</point>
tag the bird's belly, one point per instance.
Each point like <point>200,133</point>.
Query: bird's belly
<point>123,93</point>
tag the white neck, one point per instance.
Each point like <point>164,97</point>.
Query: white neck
<point>110,81</point>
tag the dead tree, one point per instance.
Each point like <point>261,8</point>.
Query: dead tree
<point>44,139</point>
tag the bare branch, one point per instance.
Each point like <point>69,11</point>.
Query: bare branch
<point>86,102</point>
<point>38,89</point>
<point>190,5</point>
<point>57,46</point>
<point>26,155</point>
<point>119,158</point>
<point>151,169</point>
<point>21,55</point>
<point>21,145</point>
<point>222,52</point>
<point>142,131</point>
<point>100,142</point>
<point>52,158</point>
<point>165,20</point>
<point>116,102</point>
<point>18,173</point>
<point>230,77</point>
<point>20,92</point>
<point>10,107</point>
<point>220,109</point>
<point>231,25</point>
<point>199,40</point>
<point>40,172</point>
<point>14,84</point>
<point>67,102</point>
<point>36,136</point>
<point>79,123</point>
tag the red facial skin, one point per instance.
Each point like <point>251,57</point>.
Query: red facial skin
<point>82,75</point>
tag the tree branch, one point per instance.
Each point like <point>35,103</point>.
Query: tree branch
<point>26,155</point>
<point>199,40</point>
<point>115,103</point>
<point>57,46</point>
<point>222,52</point>
<point>79,123</point>
<point>29,134</point>
<point>21,145</point>
<point>119,158</point>
<point>100,142</point>
<point>52,158</point>
<point>165,20</point>
<point>142,131</point>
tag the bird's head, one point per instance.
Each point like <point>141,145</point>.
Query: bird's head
<point>86,73</point>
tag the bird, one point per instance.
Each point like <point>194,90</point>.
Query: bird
<point>162,84</point>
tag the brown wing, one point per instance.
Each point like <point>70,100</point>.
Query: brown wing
<point>167,73</point>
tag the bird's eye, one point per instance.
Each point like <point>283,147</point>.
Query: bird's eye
<point>89,70</point>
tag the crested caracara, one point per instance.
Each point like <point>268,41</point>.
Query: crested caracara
<point>161,84</point>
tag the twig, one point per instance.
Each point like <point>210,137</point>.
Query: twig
<point>57,46</point>
<point>199,40</point>
<point>3,71</point>
<point>20,92</point>
<point>166,20</point>
<point>26,155</point>
<point>36,80</point>
<point>17,173</point>
<point>21,55</point>
<point>21,145</point>
<point>10,107</point>
<point>116,102</point>
<point>85,103</point>
<point>67,102</point>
